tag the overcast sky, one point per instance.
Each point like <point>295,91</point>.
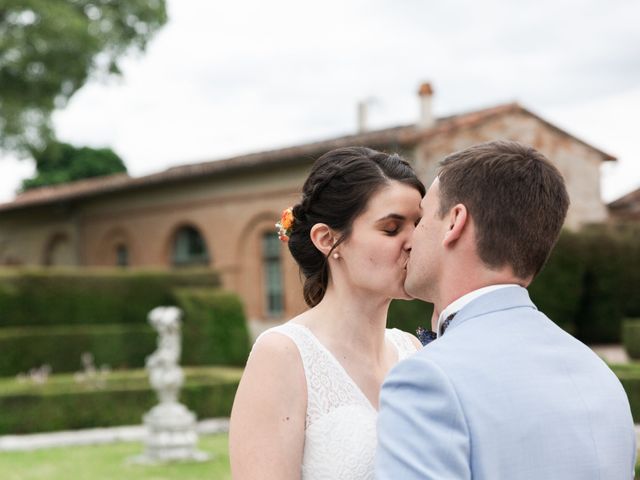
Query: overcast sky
<point>231,77</point>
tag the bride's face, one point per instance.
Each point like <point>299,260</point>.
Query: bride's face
<point>374,257</point>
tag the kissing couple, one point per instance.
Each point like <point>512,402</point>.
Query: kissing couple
<point>498,392</point>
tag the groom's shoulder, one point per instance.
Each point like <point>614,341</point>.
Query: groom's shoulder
<point>436,356</point>
<point>479,338</point>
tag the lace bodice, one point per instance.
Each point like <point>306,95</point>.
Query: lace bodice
<point>340,431</point>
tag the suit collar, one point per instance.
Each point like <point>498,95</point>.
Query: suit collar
<point>493,301</point>
<point>454,307</point>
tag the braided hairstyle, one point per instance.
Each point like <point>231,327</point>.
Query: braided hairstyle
<point>337,190</point>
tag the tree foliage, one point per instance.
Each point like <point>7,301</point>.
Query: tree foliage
<point>62,163</point>
<point>50,48</point>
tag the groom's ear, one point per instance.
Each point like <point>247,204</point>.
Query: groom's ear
<point>457,218</point>
<point>323,237</point>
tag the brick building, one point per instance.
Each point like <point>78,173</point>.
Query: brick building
<point>221,214</point>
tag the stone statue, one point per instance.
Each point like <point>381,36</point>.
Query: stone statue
<point>164,373</point>
<point>171,432</point>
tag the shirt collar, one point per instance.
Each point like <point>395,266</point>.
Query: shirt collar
<point>457,305</point>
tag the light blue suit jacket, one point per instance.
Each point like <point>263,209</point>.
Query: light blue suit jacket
<point>504,394</point>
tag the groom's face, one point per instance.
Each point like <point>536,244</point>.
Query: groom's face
<point>424,265</point>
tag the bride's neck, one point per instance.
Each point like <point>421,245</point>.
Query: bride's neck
<point>353,319</point>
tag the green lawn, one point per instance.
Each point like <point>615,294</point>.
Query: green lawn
<point>109,462</point>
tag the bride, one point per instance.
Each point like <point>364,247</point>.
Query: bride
<point>307,403</point>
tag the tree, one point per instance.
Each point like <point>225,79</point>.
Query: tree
<point>50,48</point>
<point>62,163</point>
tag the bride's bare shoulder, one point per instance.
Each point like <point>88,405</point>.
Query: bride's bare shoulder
<point>274,345</point>
<point>274,373</point>
<point>276,352</point>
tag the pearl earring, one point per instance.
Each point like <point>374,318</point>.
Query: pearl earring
<point>336,255</point>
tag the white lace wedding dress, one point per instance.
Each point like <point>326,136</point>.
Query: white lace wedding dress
<point>340,431</point>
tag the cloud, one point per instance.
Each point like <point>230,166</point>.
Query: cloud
<point>231,77</point>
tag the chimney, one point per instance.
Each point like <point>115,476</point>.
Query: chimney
<point>425,93</point>
<point>362,116</point>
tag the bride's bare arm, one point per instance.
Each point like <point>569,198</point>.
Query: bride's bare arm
<point>266,434</point>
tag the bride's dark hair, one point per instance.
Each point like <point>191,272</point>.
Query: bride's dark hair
<point>337,190</point>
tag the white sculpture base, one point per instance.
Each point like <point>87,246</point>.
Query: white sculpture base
<point>171,436</point>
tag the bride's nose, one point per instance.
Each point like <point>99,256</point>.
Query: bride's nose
<point>407,244</point>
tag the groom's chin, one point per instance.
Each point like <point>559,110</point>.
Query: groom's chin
<point>405,296</point>
<point>411,290</point>
<point>408,288</point>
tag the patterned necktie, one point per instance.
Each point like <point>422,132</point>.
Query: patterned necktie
<point>427,336</point>
<point>446,323</point>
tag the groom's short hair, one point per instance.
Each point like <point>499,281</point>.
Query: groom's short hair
<point>516,198</point>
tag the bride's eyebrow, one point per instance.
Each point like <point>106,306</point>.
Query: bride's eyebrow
<point>392,216</point>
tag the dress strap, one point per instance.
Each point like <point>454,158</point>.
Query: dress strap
<point>298,336</point>
<point>402,342</point>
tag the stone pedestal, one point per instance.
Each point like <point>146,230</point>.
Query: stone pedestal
<point>171,435</point>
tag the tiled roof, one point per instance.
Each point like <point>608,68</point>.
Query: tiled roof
<point>631,199</point>
<point>389,137</point>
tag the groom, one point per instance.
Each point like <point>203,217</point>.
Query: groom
<point>502,393</point>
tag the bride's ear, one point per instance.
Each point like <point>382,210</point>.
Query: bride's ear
<point>323,237</point>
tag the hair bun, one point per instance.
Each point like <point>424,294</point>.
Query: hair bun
<point>299,214</point>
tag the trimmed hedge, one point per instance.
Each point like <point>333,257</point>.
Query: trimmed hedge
<point>630,278</point>
<point>591,282</point>
<point>408,315</point>
<point>631,337</point>
<point>66,405</point>
<point>119,346</point>
<point>214,331</point>
<point>66,297</point>
<point>629,376</point>
<point>214,327</point>
<point>557,290</point>
<point>602,306</point>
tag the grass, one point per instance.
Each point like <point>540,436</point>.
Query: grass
<point>109,462</point>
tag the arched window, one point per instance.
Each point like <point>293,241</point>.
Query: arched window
<point>122,255</point>
<point>117,248</point>
<point>272,275</point>
<point>189,248</point>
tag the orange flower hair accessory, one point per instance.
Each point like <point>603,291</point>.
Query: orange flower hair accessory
<point>285,224</point>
